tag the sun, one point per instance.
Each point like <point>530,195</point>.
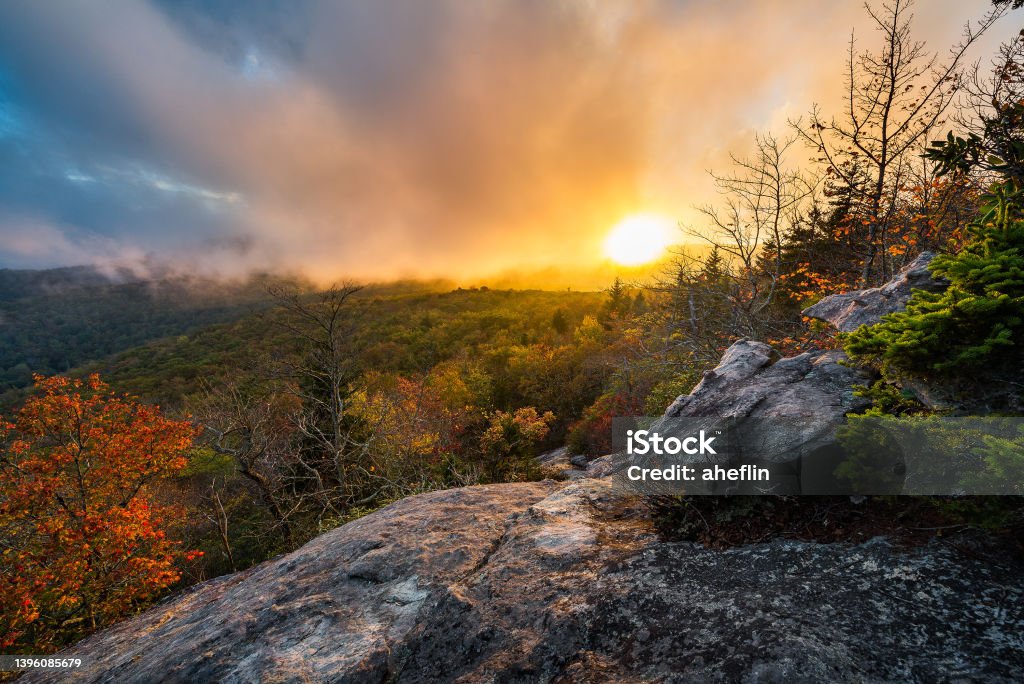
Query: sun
<point>638,239</point>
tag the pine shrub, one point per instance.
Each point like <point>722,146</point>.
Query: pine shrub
<point>975,327</point>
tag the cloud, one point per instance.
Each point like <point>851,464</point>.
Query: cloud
<point>33,242</point>
<point>375,139</point>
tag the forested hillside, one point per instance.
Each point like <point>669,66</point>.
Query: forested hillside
<point>48,319</point>
<point>437,389</point>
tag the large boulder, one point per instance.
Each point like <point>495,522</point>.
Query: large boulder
<point>330,611</point>
<point>557,583</point>
<point>780,410</point>
<point>850,310</point>
<point>789,407</point>
<point>753,381</point>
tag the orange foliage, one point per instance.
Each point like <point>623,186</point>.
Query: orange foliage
<point>83,539</point>
<point>805,284</point>
<point>814,335</point>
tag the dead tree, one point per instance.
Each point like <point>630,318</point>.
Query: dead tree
<point>761,199</point>
<point>254,427</point>
<point>895,95</point>
<point>325,376</point>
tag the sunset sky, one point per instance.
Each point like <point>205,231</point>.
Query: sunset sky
<point>396,138</point>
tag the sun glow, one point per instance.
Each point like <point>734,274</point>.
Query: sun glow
<point>638,239</point>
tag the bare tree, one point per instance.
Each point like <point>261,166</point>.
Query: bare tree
<point>325,377</point>
<point>255,428</point>
<point>292,428</point>
<point>895,96</point>
<point>762,198</point>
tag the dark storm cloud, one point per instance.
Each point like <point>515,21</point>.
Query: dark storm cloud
<point>86,173</point>
<point>376,138</point>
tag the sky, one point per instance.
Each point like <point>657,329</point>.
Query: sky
<point>393,138</point>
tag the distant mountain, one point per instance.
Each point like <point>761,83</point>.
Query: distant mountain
<point>154,338</point>
<point>18,284</point>
<point>54,320</point>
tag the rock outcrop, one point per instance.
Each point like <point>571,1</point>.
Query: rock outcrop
<point>777,412</point>
<point>850,310</point>
<point>333,610</point>
<point>786,410</point>
<point>790,407</point>
<point>551,582</point>
<point>796,402</point>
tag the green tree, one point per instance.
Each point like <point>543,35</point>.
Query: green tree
<point>619,302</point>
<point>974,328</point>
<point>508,444</point>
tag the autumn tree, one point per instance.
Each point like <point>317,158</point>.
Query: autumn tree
<point>894,97</point>
<point>419,425</point>
<point>84,538</point>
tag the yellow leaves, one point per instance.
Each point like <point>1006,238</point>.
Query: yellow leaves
<point>508,432</point>
<point>425,443</point>
<point>67,601</point>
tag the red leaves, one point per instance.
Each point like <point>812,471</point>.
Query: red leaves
<point>87,541</point>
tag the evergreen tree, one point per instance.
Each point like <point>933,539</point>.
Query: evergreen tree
<point>639,304</point>
<point>972,334</point>
<point>619,302</point>
<point>559,323</point>
<point>975,326</point>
